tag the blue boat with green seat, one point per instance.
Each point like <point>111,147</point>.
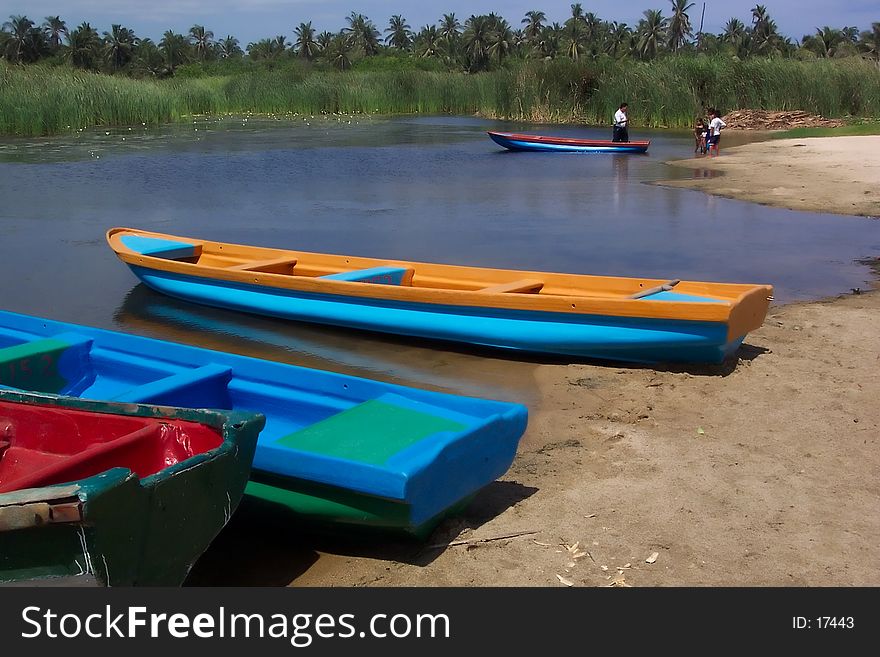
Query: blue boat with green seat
<point>336,449</point>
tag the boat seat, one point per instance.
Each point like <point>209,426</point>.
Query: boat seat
<point>201,387</point>
<point>373,431</point>
<point>272,266</point>
<point>387,275</point>
<point>160,248</point>
<point>525,286</point>
<point>32,468</point>
<point>55,364</point>
<point>663,287</point>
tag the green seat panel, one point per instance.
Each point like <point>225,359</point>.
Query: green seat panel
<point>370,433</point>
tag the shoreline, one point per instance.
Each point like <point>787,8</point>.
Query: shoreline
<point>762,474</point>
<point>757,472</point>
<point>836,175</point>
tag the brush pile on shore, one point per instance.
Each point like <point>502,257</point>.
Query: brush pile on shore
<point>766,120</point>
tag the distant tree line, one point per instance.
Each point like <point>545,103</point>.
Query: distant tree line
<point>479,43</point>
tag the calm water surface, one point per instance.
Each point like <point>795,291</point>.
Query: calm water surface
<point>434,189</point>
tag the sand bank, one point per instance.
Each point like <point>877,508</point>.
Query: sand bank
<point>840,175</point>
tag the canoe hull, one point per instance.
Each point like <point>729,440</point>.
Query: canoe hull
<point>518,142</point>
<point>455,445</point>
<point>638,340</point>
<point>129,531</point>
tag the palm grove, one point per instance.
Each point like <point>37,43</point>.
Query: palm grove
<point>479,43</point>
<point>56,78</point>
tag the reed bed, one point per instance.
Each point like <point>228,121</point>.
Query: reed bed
<point>42,100</point>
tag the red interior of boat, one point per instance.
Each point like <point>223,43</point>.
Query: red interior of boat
<point>45,445</point>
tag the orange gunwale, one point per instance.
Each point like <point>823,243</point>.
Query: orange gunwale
<point>741,306</point>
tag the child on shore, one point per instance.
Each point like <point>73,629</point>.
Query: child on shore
<point>700,134</point>
<point>715,126</point>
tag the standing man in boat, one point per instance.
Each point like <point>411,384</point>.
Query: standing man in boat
<point>621,124</point>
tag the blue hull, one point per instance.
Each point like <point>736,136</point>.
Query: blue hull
<point>640,340</point>
<point>524,145</point>
<point>464,443</point>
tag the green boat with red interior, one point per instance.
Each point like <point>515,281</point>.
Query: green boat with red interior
<point>121,494</point>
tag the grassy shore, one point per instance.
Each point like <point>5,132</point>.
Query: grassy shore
<point>861,128</point>
<point>43,100</point>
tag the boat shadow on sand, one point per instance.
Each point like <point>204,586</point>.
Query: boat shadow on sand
<point>280,547</point>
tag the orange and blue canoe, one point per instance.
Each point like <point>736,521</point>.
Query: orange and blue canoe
<point>520,142</point>
<point>627,319</point>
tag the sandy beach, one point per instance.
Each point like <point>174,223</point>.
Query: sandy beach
<point>840,175</point>
<point>761,471</point>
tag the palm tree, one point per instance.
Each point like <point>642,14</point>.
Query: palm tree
<point>652,33</point>
<point>680,24</point>
<point>119,45</point>
<point>399,35</point>
<point>202,41</point>
<point>324,40</point>
<point>305,44</point>
<point>147,59</point>
<point>261,50</point>
<point>476,40</point>
<point>229,48</point>
<point>501,39</point>
<point>759,16</point>
<point>764,37</point>
<point>592,25</point>
<point>175,48</point>
<point>23,41</point>
<point>55,29</point>
<point>551,38</point>
<point>619,42</point>
<point>577,14</point>
<point>450,29</point>
<point>428,42</point>
<point>534,22</point>
<point>825,42</point>
<point>869,41</point>
<point>734,31</point>
<point>363,33</point>
<point>83,46</point>
<point>339,52</point>
<point>576,36</point>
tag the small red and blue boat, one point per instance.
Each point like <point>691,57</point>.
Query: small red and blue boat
<point>520,142</point>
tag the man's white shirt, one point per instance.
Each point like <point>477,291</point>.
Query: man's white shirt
<point>715,126</point>
<point>620,119</point>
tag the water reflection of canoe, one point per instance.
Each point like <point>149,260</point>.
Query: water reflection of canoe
<point>115,494</point>
<point>630,319</point>
<point>146,312</point>
<point>520,142</point>
<point>335,448</point>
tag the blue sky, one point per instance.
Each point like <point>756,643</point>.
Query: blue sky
<point>250,20</point>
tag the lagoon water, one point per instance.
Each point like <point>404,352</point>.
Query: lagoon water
<point>424,188</point>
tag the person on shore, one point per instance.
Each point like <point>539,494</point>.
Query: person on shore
<point>715,126</point>
<point>621,124</point>
<point>701,131</point>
